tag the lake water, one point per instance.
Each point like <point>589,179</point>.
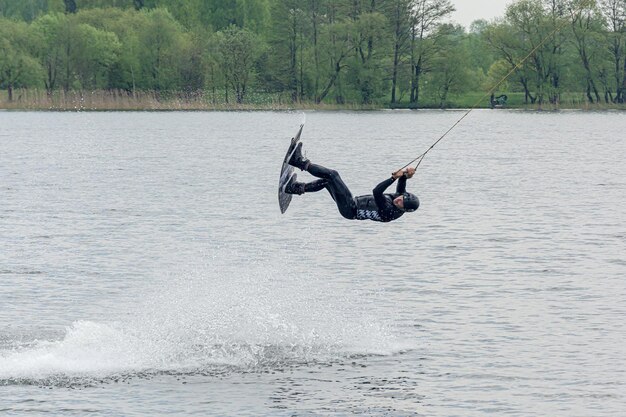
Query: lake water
<point>145,268</point>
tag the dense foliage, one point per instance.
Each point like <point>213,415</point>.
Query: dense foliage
<point>397,52</point>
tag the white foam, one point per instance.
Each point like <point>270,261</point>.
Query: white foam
<point>216,316</point>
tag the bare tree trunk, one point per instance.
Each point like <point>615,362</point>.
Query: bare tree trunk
<point>527,94</point>
<point>394,76</point>
<point>293,59</point>
<point>316,56</point>
<point>51,79</point>
<point>396,51</point>
<point>619,94</point>
<point>66,85</point>
<point>622,98</point>
<point>331,82</point>
<point>444,96</point>
<point>415,81</point>
<point>301,94</point>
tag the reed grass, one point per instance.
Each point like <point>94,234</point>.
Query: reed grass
<point>119,100</point>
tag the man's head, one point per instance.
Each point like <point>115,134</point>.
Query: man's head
<point>407,202</point>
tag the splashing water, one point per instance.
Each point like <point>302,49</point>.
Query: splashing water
<point>220,321</point>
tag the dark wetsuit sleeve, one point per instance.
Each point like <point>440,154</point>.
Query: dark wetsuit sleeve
<point>401,188</point>
<point>379,196</point>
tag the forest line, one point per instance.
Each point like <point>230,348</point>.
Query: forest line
<point>274,53</point>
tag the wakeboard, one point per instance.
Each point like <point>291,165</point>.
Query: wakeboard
<point>286,172</point>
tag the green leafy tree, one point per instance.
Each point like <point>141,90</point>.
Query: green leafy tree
<point>509,46</point>
<point>27,10</point>
<point>554,52</point>
<point>426,17</point>
<point>194,61</point>
<point>481,55</point>
<point>496,73</point>
<point>222,14</point>
<point>255,14</point>
<point>338,43</point>
<point>286,42</point>
<point>525,19</point>
<point>614,13</point>
<point>530,22</point>
<point>239,50</point>
<point>214,75</point>
<point>452,74</point>
<point>125,72</point>
<point>368,63</point>
<point>315,14</point>
<point>51,50</point>
<point>104,4</point>
<point>18,68</point>
<point>586,28</point>
<point>399,14</point>
<point>159,49</point>
<point>94,55</point>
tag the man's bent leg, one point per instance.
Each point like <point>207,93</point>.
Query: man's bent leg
<point>320,171</point>
<point>299,188</point>
<point>338,190</point>
<point>315,186</point>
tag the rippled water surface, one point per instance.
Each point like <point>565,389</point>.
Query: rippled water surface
<point>145,268</point>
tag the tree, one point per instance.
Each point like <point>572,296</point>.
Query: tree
<point>286,41</point>
<point>367,64</point>
<point>255,14</point>
<point>94,54</point>
<point>17,66</point>
<point>194,60</point>
<point>160,38</point>
<point>213,61</point>
<point>426,16</point>
<point>555,38</point>
<point>452,73</point>
<point>614,12</point>
<point>51,50</point>
<point>480,53</point>
<point>527,18</point>
<point>27,10</point>
<point>399,13</point>
<point>586,27</point>
<point>222,14</point>
<point>338,44</point>
<point>510,47</point>
<point>239,50</point>
<point>315,13</point>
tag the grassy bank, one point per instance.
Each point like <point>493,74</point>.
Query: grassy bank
<point>107,100</point>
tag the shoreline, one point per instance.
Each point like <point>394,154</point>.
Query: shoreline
<point>244,109</point>
<point>102,100</point>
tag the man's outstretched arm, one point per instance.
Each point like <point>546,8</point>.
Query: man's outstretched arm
<point>379,196</point>
<point>406,173</point>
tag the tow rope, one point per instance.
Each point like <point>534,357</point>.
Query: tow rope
<point>421,157</point>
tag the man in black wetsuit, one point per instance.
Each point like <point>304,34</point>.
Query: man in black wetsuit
<point>377,206</point>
